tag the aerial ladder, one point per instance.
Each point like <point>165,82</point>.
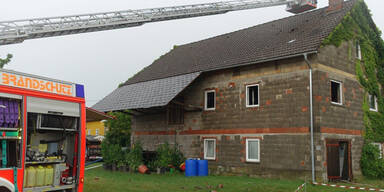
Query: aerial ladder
<point>16,31</point>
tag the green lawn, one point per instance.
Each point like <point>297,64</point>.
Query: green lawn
<point>106,181</point>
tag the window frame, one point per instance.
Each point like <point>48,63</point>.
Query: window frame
<point>380,146</point>
<point>247,95</point>
<point>97,132</point>
<point>206,149</point>
<point>369,102</point>
<point>246,151</point>
<point>358,50</point>
<point>206,100</point>
<point>340,92</point>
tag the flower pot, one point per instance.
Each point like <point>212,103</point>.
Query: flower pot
<point>143,169</point>
<point>131,170</point>
<point>107,166</point>
<point>163,170</point>
<point>114,167</point>
<point>122,168</point>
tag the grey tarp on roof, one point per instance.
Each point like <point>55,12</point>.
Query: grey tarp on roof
<point>147,94</point>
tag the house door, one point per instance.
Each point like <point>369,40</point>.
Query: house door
<point>338,160</point>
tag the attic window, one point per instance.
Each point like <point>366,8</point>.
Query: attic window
<point>358,50</point>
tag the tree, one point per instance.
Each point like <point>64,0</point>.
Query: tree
<point>117,137</point>
<point>6,60</point>
<point>119,129</point>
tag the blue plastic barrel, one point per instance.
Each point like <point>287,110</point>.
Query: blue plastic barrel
<point>202,168</point>
<point>191,167</point>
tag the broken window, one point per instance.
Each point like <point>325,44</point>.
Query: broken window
<point>372,100</point>
<point>210,149</point>
<point>358,50</point>
<point>253,150</point>
<point>252,95</point>
<point>175,113</point>
<point>210,100</point>
<point>336,93</point>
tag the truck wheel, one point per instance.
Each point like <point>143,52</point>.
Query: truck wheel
<point>4,189</point>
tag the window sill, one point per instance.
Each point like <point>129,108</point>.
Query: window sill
<point>175,124</point>
<point>252,106</point>
<point>210,159</point>
<point>252,161</point>
<point>337,104</point>
<point>373,110</point>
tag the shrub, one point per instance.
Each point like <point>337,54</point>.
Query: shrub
<point>135,157</point>
<point>106,153</point>
<point>371,165</point>
<point>116,138</point>
<point>168,156</point>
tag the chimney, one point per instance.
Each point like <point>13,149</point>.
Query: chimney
<point>335,5</point>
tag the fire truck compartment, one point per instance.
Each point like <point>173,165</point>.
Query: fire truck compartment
<point>52,134</point>
<point>10,130</point>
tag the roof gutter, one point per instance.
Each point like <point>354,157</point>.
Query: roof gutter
<point>311,114</point>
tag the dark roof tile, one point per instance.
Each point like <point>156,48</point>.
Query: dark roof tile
<point>258,43</point>
<point>159,83</point>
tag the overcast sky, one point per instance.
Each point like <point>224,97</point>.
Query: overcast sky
<point>102,60</point>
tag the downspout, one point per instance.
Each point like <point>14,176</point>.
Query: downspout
<point>311,115</point>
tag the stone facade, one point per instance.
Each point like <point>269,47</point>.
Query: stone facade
<point>281,121</point>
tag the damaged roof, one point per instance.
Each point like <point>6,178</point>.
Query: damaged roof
<point>289,36</point>
<point>284,37</point>
<point>154,93</point>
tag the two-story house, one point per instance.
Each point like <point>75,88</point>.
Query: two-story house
<point>250,101</point>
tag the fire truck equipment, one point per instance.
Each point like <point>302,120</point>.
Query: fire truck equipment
<point>31,176</point>
<point>40,176</point>
<point>49,175</point>
<point>58,171</point>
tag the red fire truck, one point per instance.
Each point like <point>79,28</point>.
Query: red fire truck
<point>42,133</point>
